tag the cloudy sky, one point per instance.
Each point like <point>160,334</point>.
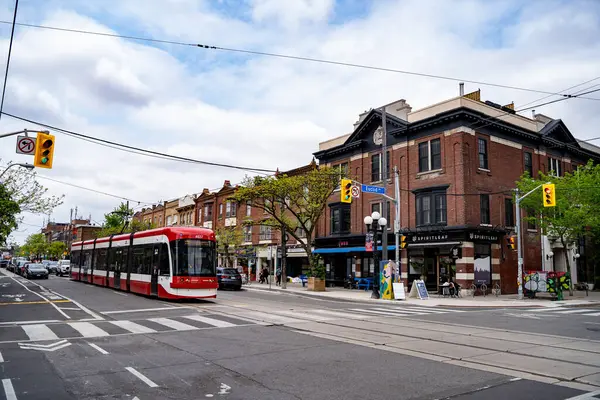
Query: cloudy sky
<point>258,111</point>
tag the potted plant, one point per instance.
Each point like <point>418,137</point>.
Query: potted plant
<point>316,281</point>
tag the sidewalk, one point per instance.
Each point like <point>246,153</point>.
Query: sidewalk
<point>435,300</point>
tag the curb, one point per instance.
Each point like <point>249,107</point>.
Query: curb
<point>492,306</point>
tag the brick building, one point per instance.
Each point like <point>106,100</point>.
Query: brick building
<point>152,215</point>
<point>171,215</point>
<point>458,161</point>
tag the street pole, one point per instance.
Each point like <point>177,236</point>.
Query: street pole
<point>28,166</point>
<point>375,292</point>
<point>283,255</point>
<point>384,236</point>
<point>397,220</point>
<point>519,254</point>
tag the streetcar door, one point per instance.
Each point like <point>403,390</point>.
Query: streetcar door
<point>117,268</point>
<point>155,270</point>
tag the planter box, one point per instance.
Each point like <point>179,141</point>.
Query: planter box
<point>316,285</point>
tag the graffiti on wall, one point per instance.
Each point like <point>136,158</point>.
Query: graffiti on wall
<point>545,281</point>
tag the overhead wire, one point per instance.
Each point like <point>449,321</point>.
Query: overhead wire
<point>292,57</point>
<point>10,43</point>
<point>138,150</point>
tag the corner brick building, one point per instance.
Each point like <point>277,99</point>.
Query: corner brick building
<point>458,161</point>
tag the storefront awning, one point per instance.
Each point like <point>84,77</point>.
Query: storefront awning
<point>346,249</point>
<point>434,244</point>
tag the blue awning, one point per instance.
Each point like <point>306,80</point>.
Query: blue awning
<point>346,249</point>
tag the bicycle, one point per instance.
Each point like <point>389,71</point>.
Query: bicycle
<point>475,287</point>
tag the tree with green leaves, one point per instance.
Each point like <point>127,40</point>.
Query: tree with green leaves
<point>56,250</point>
<point>21,187</point>
<point>9,209</point>
<point>35,246</point>
<point>292,203</point>
<point>577,210</point>
<point>228,239</point>
<point>119,221</point>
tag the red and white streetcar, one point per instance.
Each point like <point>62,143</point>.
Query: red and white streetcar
<point>171,263</point>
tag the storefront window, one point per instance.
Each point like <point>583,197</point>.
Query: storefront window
<point>483,263</point>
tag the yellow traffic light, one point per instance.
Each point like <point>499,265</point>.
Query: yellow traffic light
<point>346,191</point>
<point>402,242</point>
<point>511,243</point>
<point>549,194</point>
<point>44,150</point>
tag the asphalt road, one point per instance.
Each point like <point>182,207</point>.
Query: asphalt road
<point>244,345</point>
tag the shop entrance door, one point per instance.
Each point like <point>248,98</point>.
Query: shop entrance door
<point>446,270</point>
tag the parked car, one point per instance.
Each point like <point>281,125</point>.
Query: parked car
<point>4,263</point>
<point>51,266</point>
<point>22,267</point>
<point>63,267</point>
<point>35,271</point>
<point>229,277</point>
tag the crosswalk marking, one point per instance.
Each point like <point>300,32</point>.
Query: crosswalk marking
<point>274,319</point>
<point>597,314</point>
<point>132,326</point>
<point>39,332</point>
<point>581,312</point>
<point>304,315</point>
<point>371,311</point>
<point>401,311</point>
<point>210,321</point>
<point>88,330</point>
<point>171,323</point>
<point>338,314</point>
<point>576,311</point>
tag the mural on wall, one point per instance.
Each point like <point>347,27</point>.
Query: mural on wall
<point>545,281</point>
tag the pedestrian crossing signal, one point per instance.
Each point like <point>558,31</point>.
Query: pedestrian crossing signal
<point>44,150</point>
<point>402,242</point>
<point>346,191</point>
<point>549,194</point>
<point>511,242</point>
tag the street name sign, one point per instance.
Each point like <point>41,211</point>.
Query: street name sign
<point>373,189</point>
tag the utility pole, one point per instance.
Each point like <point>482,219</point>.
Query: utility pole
<point>397,220</point>
<point>384,162</point>
<point>283,256</point>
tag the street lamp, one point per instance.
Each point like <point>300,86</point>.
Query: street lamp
<point>375,221</point>
<point>27,166</point>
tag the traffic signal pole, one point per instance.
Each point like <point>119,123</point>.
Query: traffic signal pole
<point>518,232</point>
<point>397,220</point>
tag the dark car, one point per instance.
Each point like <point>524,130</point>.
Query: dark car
<point>4,263</point>
<point>229,277</point>
<point>36,271</point>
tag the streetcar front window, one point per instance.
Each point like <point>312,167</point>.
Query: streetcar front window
<point>194,257</point>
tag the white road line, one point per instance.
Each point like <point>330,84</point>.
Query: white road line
<point>401,311</point>
<point>142,377</point>
<point>274,319</point>
<point>141,310</point>
<point>9,390</point>
<point>369,311</point>
<point>210,321</point>
<point>132,326</point>
<point>416,308</point>
<point>119,293</point>
<point>179,326</point>
<point>44,321</point>
<point>87,329</point>
<point>1,358</point>
<point>39,332</point>
<point>338,314</point>
<point>597,314</point>
<point>70,308</point>
<point>303,314</point>
<point>39,295</point>
<point>82,307</point>
<point>577,311</point>
<point>100,349</point>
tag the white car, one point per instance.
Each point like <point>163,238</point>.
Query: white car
<point>63,268</point>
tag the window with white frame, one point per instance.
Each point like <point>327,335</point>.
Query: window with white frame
<point>169,220</point>
<point>208,209</point>
<point>220,210</point>
<point>265,232</point>
<point>228,209</point>
<point>300,232</point>
<point>482,152</point>
<point>376,167</point>
<point>430,155</point>
<point>248,208</point>
<point>247,234</point>
<point>554,166</point>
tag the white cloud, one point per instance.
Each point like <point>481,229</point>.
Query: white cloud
<point>266,112</point>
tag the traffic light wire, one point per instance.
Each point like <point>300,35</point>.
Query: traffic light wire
<point>10,43</point>
<point>138,150</point>
<point>292,57</point>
